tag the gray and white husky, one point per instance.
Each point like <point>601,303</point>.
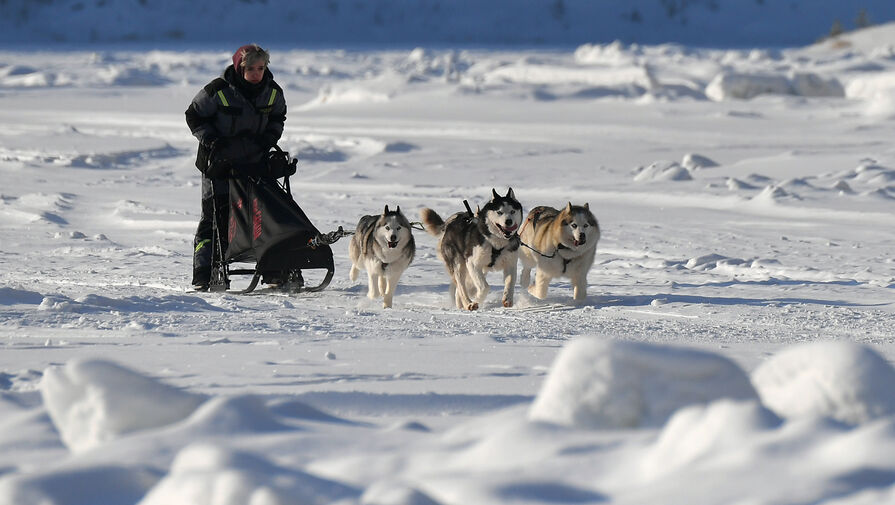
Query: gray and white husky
<point>472,245</point>
<point>383,246</point>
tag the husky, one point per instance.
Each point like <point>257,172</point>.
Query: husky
<point>383,246</point>
<point>470,245</point>
<point>565,242</point>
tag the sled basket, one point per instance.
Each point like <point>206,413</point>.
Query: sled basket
<point>268,228</point>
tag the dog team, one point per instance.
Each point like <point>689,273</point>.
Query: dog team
<point>554,242</point>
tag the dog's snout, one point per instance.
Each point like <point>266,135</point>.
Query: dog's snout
<point>582,238</point>
<point>508,223</point>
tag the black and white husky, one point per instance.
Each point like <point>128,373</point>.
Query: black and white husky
<point>383,246</point>
<point>472,245</point>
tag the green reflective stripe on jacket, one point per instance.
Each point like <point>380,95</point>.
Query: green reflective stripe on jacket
<point>201,244</point>
<point>273,95</point>
<point>223,98</point>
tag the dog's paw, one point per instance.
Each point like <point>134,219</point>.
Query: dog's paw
<point>472,306</point>
<point>533,291</point>
<point>507,303</point>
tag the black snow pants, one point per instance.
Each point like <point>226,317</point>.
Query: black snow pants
<point>215,201</point>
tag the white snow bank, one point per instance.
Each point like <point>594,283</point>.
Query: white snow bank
<point>662,171</point>
<point>842,380</point>
<point>106,485</point>
<point>93,401</point>
<point>810,84</point>
<point>693,161</point>
<point>391,492</point>
<point>615,53</point>
<point>366,89</point>
<point>13,296</point>
<point>608,384</point>
<point>347,95</point>
<point>878,90</point>
<point>732,85</point>
<point>204,474</point>
<point>234,414</point>
<point>595,76</point>
<point>700,431</point>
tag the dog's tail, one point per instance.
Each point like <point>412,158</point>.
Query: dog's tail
<point>432,222</point>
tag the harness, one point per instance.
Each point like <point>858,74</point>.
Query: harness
<point>533,219</point>
<point>565,262</point>
<point>512,246</point>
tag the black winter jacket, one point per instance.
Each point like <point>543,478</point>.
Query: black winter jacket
<point>250,117</point>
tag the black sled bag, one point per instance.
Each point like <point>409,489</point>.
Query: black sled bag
<point>267,227</point>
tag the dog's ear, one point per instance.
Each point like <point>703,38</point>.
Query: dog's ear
<point>478,210</point>
<point>398,209</point>
<point>384,212</point>
<point>569,208</point>
<point>510,194</point>
<point>494,195</point>
<point>586,205</point>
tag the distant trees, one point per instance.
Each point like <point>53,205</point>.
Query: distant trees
<point>861,21</point>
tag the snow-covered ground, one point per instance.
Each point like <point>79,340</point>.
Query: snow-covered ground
<point>736,344</point>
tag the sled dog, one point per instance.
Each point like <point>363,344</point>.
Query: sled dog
<point>383,246</point>
<point>566,242</point>
<point>471,245</point>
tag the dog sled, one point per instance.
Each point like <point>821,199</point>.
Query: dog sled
<point>268,228</point>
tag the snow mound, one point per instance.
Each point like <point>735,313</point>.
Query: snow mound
<point>710,261</point>
<point>842,380</point>
<point>610,77</point>
<point>93,401</point>
<point>813,85</point>
<point>704,431</point>
<point>614,53</point>
<point>204,474</point>
<point>332,149</point>
<point>12,296</point>
<point>351,95</point>
<point>726,86</point>
<point>772,192</point>
<point>662,171</point>
<point>607,384</point>
<point>124,76</point>
<point>735,184</point>
<point>234,414</point>
<point>108,485</point>
<point>729,85</point>
<point>395,493</point>
<point>694,161</point>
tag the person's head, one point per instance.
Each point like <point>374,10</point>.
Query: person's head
<point>250,61</point>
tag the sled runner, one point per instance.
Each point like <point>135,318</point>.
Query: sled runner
<point>266,226</point>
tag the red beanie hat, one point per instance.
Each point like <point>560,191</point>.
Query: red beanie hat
<point>239,55</point>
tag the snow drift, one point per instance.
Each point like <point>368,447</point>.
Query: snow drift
<point>609,384</point>
<point>93,401</point>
